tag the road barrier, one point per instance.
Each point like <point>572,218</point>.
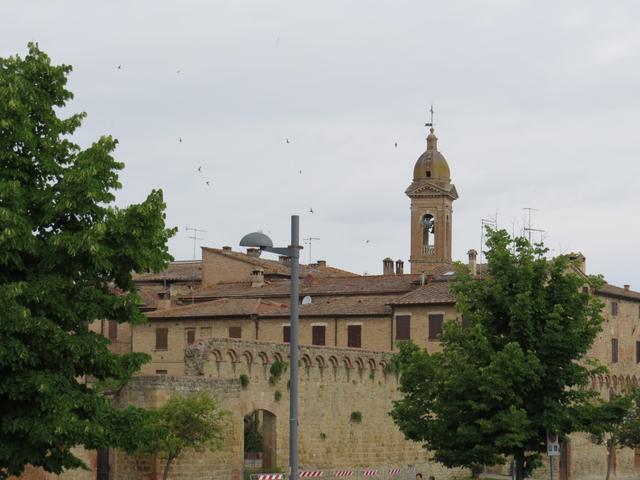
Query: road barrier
<point>387,473</point>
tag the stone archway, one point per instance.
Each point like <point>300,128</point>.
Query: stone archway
<point>260,440</point>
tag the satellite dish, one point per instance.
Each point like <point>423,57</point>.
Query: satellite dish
<point>306,300</point>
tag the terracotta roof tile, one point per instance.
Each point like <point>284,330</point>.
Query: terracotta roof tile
<point>612,290</point>
<point>223,307</point>
<point>435,292</point>
<point>179,270</point>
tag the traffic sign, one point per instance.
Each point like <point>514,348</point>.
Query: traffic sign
<point>553,444</point>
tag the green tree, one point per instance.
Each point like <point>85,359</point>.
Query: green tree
<point>193,422</point>
<point>518,369</point>
<point>66,258</point>
<point>616,423</point>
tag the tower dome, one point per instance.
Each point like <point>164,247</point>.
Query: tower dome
<point>431,164</point>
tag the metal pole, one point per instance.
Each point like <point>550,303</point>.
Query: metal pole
<point>551,467</point>
<point>293,403</point>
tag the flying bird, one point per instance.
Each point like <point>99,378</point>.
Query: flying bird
<point>288,141</point>
<point>367,241</point>
<point>310,210</point>
<point>180,139</point>
<point>200,169</point>
<point>208,183</point>
<point>300,172</point>
<point>396,144</point>
<point>119,67</point>
<point>177,71</point>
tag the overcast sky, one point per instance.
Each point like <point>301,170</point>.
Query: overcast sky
<point>537,105</point>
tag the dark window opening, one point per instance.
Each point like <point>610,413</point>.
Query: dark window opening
<point>102,466</point>
<point>435,326</point>
<point>113,330</point>
<point>428,173</point>
<point>637,352</point>
<point>162,338</point>
<point>235,332</point>
<point>191,336</point>
<point>286,334</point>
<point>614,350</point>
<point>354,336</point>
<point>614,308</point>
<point>403,327</point>
<point>161,372</point>
<point>585,289</point>
<point>318,334</point>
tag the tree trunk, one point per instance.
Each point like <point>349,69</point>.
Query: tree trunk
<point>610,446</point>
<point>165,473</point>
<point>519,464</point>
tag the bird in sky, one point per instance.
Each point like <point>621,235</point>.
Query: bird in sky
<point>119,67</point>
<point>300,172</point>
<point>208,183</point>
<point>180,139</point>
<point>177,71</point>
<point>200,169</point>
<point>310,210</point>
<point>288,141</point>
<point>396,144</point>
<point>367,241</point>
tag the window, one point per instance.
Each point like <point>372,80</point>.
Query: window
<point>317,334</point>
<point>354,336</point>
<point>614,308</point>
<point>585,289</point>
<point>161,372</point>
<point>637,352</point>
<point>113,330</point>
<point>435,326</point>
<point>162,338</point>
<point>235,332</point>
<point>286,334</point>
<point>614,350</point>
<point>403,327</point>
<point>190,335</point>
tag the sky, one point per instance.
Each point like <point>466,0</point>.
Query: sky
<point>536,106</point>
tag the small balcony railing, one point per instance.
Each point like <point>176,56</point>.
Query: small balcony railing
<point>428,250</point>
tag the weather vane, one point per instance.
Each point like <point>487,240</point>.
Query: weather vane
<point>430,124</point>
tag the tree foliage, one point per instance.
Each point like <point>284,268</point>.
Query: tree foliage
<point>66,258</point>
<point>193,422</point>
<point>518,369</point>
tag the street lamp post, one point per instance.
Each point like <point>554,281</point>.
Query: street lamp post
<point>263,242</point>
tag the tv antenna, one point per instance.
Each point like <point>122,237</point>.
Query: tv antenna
<point>195,238</point>
<point>309,241</point>
<point>484,222</point>
<point>528,229</point>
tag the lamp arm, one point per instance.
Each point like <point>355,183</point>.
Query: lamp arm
<point>293,252</point>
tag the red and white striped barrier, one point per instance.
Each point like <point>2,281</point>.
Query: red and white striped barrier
<point>370,473</point>
<point>271,476</point>
<point>310,473</point>
<point>394,472</point>
<point>343,473</point>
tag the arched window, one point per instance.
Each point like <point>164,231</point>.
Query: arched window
<point>428,223</point>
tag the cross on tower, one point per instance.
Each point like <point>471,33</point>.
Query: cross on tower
<point>430,124</point>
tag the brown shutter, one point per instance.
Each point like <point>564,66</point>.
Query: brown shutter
<point>235,332</point>
<point>318,334</point>
<point>191,336</point>
<point>614,308</point>
<point>614,350</point>
<point>162,338</point>
<point>286,334</point>
<point>403,327</point>
<point>435,326</point>
<point>113,330</point>
<point>354,336</point>
<point>637,352</point>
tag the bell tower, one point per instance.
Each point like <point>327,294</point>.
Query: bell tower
<point>432,195</point>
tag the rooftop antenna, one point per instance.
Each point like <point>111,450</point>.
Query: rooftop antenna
<point>430,123</point>
<point>309,241</point>
<point>529,229</point>
<point>484,222</point>
<point>195,238</point>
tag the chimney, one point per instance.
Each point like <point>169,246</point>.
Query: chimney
<point>257,277</point>
<point>226,248</point>
<point>284,260</point>
<point>164,301</point>
<point>322,263</point>
<point>579,261</point>
<point>473,266</point>
<point>387,266</point>
<point>253,252</point>
<point>399,267</point>
<point>627,287</point>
